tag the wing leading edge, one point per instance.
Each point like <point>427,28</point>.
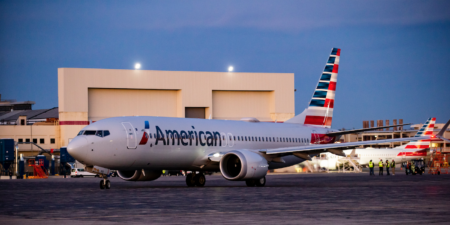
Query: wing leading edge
<point>338,146</point>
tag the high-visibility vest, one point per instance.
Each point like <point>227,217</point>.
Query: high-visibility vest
<point>371,164</point>
<point>393,164</point>
<point>380,164</point>
<point>387,165</point>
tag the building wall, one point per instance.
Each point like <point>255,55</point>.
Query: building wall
<point>38,132</point>
<point>237,104</point>
<point>94,94</point>
<point>106,103</point>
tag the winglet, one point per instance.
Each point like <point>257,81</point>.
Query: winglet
<point>443,129</point>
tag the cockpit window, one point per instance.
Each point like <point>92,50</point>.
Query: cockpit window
<point>99,133</point>
<point>90,132</point>
<point>105,133</point>
<point>80,133</point>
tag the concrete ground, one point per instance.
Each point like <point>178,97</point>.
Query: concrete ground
<point>333,198</point>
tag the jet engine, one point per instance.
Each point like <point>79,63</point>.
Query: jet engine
<point>139,175</point>
<point>243,165</point>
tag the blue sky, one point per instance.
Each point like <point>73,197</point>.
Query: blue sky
<point>393,59</point>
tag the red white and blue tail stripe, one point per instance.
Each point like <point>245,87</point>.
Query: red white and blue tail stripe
<point>145,135</point>
<point>320,110</point>
<point>425,130</point>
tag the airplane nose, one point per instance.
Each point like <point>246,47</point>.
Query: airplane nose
<point>77,148</point>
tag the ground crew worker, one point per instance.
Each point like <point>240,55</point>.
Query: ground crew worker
<point>371,168</point>
<point>387,168</point>
<point>393,167</point>
<point>380,165</point>
<point>10,174</point>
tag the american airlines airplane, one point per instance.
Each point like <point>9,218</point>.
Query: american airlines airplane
<point>140,147</point>
<point>412,150</point>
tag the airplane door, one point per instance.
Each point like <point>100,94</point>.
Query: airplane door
<point>315,139</point>
<point>131,135</point>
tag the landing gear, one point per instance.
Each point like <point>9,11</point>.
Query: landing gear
<point>198,180</point>
<point>105,183</point>
<point>250,183</point>
<point>261,182</point>
<point>190,180</point>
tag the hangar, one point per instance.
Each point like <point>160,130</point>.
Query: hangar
<point>89,95</point>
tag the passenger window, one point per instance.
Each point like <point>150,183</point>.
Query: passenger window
<point>90,132</point>
<point>148,135</point>
<point>245,138</point>
<point>99,133</point>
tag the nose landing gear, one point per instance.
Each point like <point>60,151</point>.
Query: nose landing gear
<point>105,184</point>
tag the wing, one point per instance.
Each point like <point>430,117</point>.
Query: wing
<point>338,133</point>
<point>339,146</point>
<point>441,133</point>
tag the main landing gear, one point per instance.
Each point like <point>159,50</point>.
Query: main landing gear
<point>257,182</point>
<point>105,183</point>
<point>193,179</point>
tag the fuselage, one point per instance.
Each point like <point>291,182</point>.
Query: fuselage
<point>399,154</point>
<point>184,144</point>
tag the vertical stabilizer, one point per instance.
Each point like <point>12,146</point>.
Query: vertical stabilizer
<point>425,130</point>
<point>320,110</point>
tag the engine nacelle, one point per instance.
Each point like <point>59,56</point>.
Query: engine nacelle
<point>243,165</point>
<point>139,175</point>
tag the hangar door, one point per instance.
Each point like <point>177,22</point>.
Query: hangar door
<point>105,103</point>
<point>234,105</point>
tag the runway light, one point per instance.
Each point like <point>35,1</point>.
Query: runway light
<point>137,66</point>
<point>230,69</point>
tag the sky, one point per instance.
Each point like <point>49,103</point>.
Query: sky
<point>393,59</point>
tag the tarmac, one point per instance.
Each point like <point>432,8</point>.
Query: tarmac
<point>327,198</point>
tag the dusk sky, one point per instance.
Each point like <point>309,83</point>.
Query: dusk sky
<point>393,59</point>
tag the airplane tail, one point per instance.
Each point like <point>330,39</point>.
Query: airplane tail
<point>426,129</point>
<point>320,110</point>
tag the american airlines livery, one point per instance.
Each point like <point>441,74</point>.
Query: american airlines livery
<point>140,147</point>
<point>412,150</point>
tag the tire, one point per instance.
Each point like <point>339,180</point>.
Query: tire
<point>81,176</point>
<point>190,180</point>
<point>200,180</point>
<point>102,186</point>
<point>260,182</point>
<point>439,172</point>
<point>250,183</point>
<point>108,184</point>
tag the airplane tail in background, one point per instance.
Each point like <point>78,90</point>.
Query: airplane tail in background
<point>320,110</point>
<point>426,129</point>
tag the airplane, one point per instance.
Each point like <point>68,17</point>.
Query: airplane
<point>140,147</point>
<point>409,151</point>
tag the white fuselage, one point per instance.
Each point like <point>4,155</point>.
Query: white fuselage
<point>121,149</point>
<point>399,154</point>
